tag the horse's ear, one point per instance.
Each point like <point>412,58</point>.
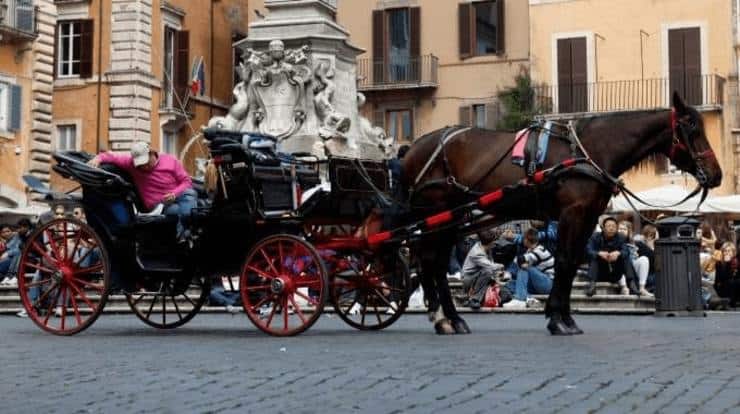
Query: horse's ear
<point>678,104</point>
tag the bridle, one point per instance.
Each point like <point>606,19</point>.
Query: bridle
<point>682,143</point>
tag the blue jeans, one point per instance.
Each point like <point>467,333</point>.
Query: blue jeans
<point>220,297</point>
<point>182,208</point>
<point>531,281</point>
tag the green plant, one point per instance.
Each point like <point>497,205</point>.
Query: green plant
<point>518,104</point>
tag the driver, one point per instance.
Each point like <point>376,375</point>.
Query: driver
<point>159,178</point>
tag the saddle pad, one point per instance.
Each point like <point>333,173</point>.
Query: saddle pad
<point>522,137</point>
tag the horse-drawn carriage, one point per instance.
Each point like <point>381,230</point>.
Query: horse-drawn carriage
<point>270,219</point>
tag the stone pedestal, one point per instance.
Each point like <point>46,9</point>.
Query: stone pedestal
<point>299,83</point>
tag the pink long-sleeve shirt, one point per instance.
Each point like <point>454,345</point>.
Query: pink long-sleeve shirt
<point>167,176</point>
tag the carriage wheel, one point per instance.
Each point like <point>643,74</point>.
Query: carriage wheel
<point>64,276</point>
<point>374,296</point>
<point>171,305</point>
<point>284,285</point>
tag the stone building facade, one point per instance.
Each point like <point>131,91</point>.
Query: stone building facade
<point>132,76</point>
<point>26,61</point>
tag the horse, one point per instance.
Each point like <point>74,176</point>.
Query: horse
<point>441,173</point>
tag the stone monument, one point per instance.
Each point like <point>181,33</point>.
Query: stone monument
<point>299,83</point>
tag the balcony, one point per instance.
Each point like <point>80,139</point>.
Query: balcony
<point>18,20</point>
<point>705,92</point>
<point>417,72</point>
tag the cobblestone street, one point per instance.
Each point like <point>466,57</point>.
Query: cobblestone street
<point>219,363</point>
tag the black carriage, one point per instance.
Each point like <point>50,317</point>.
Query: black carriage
<point>266,217</point>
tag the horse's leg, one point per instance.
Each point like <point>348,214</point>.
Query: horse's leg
<point>428,270</point>
<point>443,249</point>
<point>574,228</point>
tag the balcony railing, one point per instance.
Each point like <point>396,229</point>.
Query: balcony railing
<point>392,73</point>
<point>18,19</point>
<point>701,91</point>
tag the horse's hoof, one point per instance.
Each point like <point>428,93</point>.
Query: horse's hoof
<point>558,328</point>
<point>460,326</point>
<point>572,326</point>
<point>444,327</point>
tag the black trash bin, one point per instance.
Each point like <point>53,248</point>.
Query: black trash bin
<point>678,272</point>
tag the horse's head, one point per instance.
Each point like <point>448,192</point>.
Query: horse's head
<point>690,150</point>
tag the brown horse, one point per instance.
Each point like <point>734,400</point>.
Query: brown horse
<point>476,161</point>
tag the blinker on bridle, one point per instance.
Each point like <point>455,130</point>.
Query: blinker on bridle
<point>682,132</point>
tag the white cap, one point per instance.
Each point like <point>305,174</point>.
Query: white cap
<point>140,153</point>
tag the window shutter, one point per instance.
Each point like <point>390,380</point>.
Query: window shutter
<point>378,61</point>
<point>16,103</point>
<point>564,77</point>
<point>86,48</point>
<point>492,115</point>
<point>580,74</point>
<point>466,39</point>
<point>415,42</point>
<point>466,115</point>
<point>56,50</point>
<point>501,28</point>
<point>182,66</point>
<point>692,60</point>
<point>676,65</point>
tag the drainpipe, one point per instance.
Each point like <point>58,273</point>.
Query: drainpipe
<point>98,146</point>
<point>210,77</point>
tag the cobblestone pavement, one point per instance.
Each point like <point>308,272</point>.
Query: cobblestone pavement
<point>219,363</point>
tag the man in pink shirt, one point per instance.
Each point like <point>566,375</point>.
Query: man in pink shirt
<point>159,178</point>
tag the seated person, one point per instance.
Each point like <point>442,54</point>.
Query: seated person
<point>609,259</point>
<point>159,178</point>
<point>726,279</point>
<point>640,262</point>
<point>478,269</point>
<point>10,258</point>
<point>536,268</point>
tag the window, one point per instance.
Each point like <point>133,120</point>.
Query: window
<point>169,142</point>
<point>176,67</point>
<point>10,107</point>
<point>481,28</point>
<point>572,75</point>
<point>67,137</point>
<point>400,125</point>
<point>484,115</point>
<point>4,107</point>
<point>396,44</point>
<point>169,65</point>
<point>479,116</point>
<point>74,49</point>
<point>684,56</point>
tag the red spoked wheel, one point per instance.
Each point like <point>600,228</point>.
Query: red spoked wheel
<point>64,276</point>
<point>284,285</point>
<point>374,292</point>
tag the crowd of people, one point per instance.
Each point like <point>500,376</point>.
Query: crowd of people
<point>519,259</point>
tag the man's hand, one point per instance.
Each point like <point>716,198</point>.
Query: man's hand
<point>604,256</point>
<point>169,198</point>
<point>613,256</point>
<point>95,162</point>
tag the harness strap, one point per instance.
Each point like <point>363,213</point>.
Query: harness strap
<point>448,135</point>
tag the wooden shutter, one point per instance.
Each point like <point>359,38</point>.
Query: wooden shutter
<point>86,48</point>
<point>378,61</point>
<point>182,66</point>
<point>500,27</point>
<point>564,76</point>
<point>56,50</point>
<point>415,42</point>
<point>466,115</point>
<point>579,66</point>
<point>661,164</point>
<point>692,62</point>
<point>16,105</point>
<point>465,16</point>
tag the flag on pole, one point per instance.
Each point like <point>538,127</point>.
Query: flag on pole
<point>198,77</point>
